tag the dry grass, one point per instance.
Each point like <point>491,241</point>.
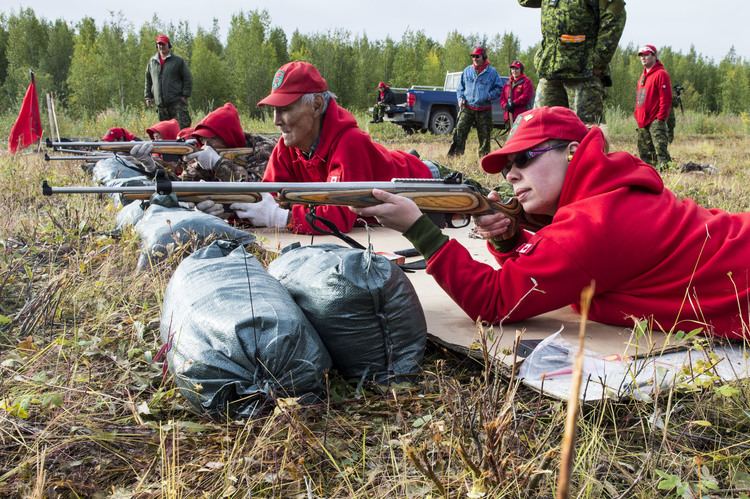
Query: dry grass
<point>87,412</point>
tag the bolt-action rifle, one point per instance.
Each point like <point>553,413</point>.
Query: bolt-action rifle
<point>169,147</point>
<point>444,196</point>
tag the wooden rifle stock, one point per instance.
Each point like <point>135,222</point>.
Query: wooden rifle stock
<point>171,147</point>
<point>431,196</point>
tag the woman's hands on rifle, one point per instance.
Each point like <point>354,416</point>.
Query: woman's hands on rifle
<point>395,212</point>
<point>495,225</point>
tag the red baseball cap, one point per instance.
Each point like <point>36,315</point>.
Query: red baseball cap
<point>479,51</point>
<point>532,128</point>
<point>647,49</point>
<point>382,84</point>
<point>516,64</point>
<point>162,39</point>
<point>292,81</point>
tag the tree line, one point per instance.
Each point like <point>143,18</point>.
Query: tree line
<point>90,67</point>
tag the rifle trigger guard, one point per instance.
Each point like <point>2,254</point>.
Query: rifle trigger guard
<point>163,184</point>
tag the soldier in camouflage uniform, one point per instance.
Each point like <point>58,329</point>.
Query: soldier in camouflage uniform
<point>221,129</point>
<point>653,103</point>
<point>579,38</point>
<point>479,86</point>
<point>676,102</point>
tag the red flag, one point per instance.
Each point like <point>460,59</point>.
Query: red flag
<point>28,126</point>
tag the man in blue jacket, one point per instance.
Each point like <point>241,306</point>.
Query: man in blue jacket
<point>480,85</point>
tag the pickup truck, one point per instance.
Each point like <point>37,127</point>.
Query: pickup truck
<point>435,109</point>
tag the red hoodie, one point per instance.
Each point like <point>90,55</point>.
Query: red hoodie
<point>650,254</point>
<point>344,154</point>
<point>521,92</point>
<point>167,129</point>
<point>653,96</point>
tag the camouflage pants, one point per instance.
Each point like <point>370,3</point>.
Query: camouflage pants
<point>652,144</point>
<point>671,122</point>
<point>585,97</point>
<point>378,111</point>
<point>467,119</point>
<point>177,110</point>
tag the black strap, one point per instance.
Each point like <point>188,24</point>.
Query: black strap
<point>330,229</point>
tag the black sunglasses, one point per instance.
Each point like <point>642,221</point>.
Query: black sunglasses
<point>476,56</point>
<point>522,159</point>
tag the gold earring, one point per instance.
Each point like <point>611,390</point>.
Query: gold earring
<point>570,157</point>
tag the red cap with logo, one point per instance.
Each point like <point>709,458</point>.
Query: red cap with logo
<point>647,49</point>
<point>533,128</point>
<point>479,51</point>
<point>516,64</point>
<point>292,81</point>
<point>162,39</point>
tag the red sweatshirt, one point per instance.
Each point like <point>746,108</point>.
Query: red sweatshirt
<point>650,254</point>
<point>653,96</point>
<point>521,92</point>
<point>344,154</point>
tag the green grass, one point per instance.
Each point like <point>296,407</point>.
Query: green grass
<point>87,413</point>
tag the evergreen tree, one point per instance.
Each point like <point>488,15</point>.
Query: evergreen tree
<point>211,85</point>
<point>57,60</point>
<point>26,48</point>
<point>250,59</point>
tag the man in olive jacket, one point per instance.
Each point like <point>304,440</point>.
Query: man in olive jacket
<point>579,38</point>
<point>168,83</point>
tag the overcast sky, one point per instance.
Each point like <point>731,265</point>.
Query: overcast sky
<point>713,27</point>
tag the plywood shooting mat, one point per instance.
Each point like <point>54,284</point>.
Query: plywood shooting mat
<point>619,363</point>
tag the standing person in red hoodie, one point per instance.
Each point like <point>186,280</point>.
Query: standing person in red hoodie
<point>518,93</point>
<point>650,254</point>
<point>320,142</point>
<point>653,103</point>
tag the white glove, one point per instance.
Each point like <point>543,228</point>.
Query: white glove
<point>210,207</point>
<point>265,213</point>
<point>142,152</point>
<point>207,157</point>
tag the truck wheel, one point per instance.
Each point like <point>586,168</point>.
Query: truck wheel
<point>441,122</point>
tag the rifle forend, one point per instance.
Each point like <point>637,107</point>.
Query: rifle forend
<point>173,147</point>
<point>431,196</point>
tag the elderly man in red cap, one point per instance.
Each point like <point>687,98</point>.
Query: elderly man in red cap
<point>168,83</point>
<point>320,142</point>
<point>385,98</point>
<point>480,85</point>
<point>518,93</point>
<point>653,104</point>
<point>610,221</point>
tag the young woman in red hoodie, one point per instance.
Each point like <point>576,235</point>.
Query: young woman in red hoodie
<point>650,254</point>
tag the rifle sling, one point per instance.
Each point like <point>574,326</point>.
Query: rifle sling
<point>331,230</point>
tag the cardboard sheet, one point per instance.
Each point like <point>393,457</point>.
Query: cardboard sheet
<point>619,362</point>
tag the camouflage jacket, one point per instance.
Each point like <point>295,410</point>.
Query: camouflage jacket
<point>579,37</point>
<point>248,167</point>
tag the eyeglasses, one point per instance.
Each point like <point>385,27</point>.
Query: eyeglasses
<point>476,56</point>
<point>522,160</point>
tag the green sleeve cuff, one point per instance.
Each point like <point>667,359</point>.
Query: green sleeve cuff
<point>425,236</point>
<point>505,245</point>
